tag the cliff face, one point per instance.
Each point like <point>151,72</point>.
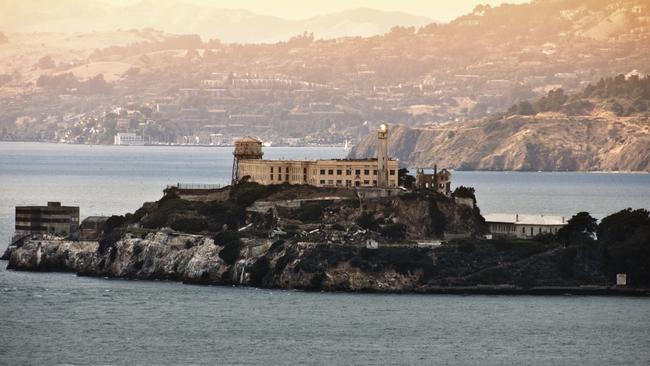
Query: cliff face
<point>528,143</point>
<point>290,264</point>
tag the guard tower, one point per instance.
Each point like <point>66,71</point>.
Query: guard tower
<point>247,148</point>
<point>382,156</point>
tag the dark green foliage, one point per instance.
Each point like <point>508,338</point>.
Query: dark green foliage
<point>524,108</point>
<point>244,194</point>
<point>230,252</point>
<point>108,239</point>
<point>276,245</point>
<point>566,262</point>
<point>367,221</point>
<point>580,229</point>
<point>189,224</point>
<point>226,237</point>
<point>438,221</point>
<point>394,231</point>
<point>622,225</point>
<point>316,282</point>
<point>626,237</point>
<point>311,211</point>
<point>259,270</point>
<point>404,179</point>
<point>465,192</point>
<point>338,227</point>
<point>114,222</point>
<point>402,260</point>
<point>553,101</point>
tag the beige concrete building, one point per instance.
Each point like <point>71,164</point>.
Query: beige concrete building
<point>376,172</point>
<point>523,226</point>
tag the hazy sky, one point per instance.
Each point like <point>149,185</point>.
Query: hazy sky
<point>442,10</point>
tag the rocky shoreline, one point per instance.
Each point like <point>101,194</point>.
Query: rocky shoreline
<point>298,237</point>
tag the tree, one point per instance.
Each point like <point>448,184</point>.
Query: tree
<point>524,108</point>
<point>46,62</point>
<point>622,225</point>
<point>465,192</point>
<point>579,229</point>
<point>404,179</point>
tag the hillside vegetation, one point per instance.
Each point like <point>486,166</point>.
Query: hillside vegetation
<point>603,128</point>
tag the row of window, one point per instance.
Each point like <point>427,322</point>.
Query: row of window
<point>304,170</point>
<point>356,172</point>
<point>348,183</point>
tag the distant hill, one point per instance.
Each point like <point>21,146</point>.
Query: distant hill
<point>604,128</point>
<point>228,25</point>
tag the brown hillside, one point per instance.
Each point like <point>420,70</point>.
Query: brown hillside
<point>529,143</point>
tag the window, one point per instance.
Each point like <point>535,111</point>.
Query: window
<point>366,171</point>
<point>279,169</point>
<point>271,171</point>
<point>357,172</point>
<point>330,182</point>
<point>271,176</point>
<point>523,230</point>
<point>374,172</point>
<point>348,172</point>
<point>357,183</point>
<point>392,172</point>
<point>287,176</point>
<point>279,176</point>
<point>322,181</point>
<point>330,171</point>
<point>366,182</point>
<point>338,182</point>
<point>339,172</point>
<point>322,171</point>
<point>304,170</point>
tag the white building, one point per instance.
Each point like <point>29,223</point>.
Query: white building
<point>523,226</point>
<point>128,138</point>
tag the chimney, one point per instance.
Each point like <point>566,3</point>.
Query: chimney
<point>516,217</point>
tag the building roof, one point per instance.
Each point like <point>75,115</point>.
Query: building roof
<point>249,139</point>
<point>520,219</point>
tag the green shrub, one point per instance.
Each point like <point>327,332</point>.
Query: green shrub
<point>394,231</point>
<point>188,224</point>
<point>230,252</point>
<point>367,221</point>
<point>438,221</point>
<point>259,271</point>
<point>226,237</point>
<point>311,211</point>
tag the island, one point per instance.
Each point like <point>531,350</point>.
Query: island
<point>360,225</point>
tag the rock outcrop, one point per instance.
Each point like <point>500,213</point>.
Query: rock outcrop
<point>525,143</point>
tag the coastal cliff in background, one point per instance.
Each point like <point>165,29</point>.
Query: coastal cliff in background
<point>606,127</point>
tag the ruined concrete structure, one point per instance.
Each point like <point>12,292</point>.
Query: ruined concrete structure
<point>378,172</point>
<point>440,181</point>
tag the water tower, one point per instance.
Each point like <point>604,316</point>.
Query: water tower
<point>246,148</point>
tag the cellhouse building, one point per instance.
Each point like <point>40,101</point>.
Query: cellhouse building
<point>381,172</point>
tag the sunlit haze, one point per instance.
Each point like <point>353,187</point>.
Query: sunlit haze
<point>439,10</point>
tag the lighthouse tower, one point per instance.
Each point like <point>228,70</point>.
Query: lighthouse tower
<point>382,156</point>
